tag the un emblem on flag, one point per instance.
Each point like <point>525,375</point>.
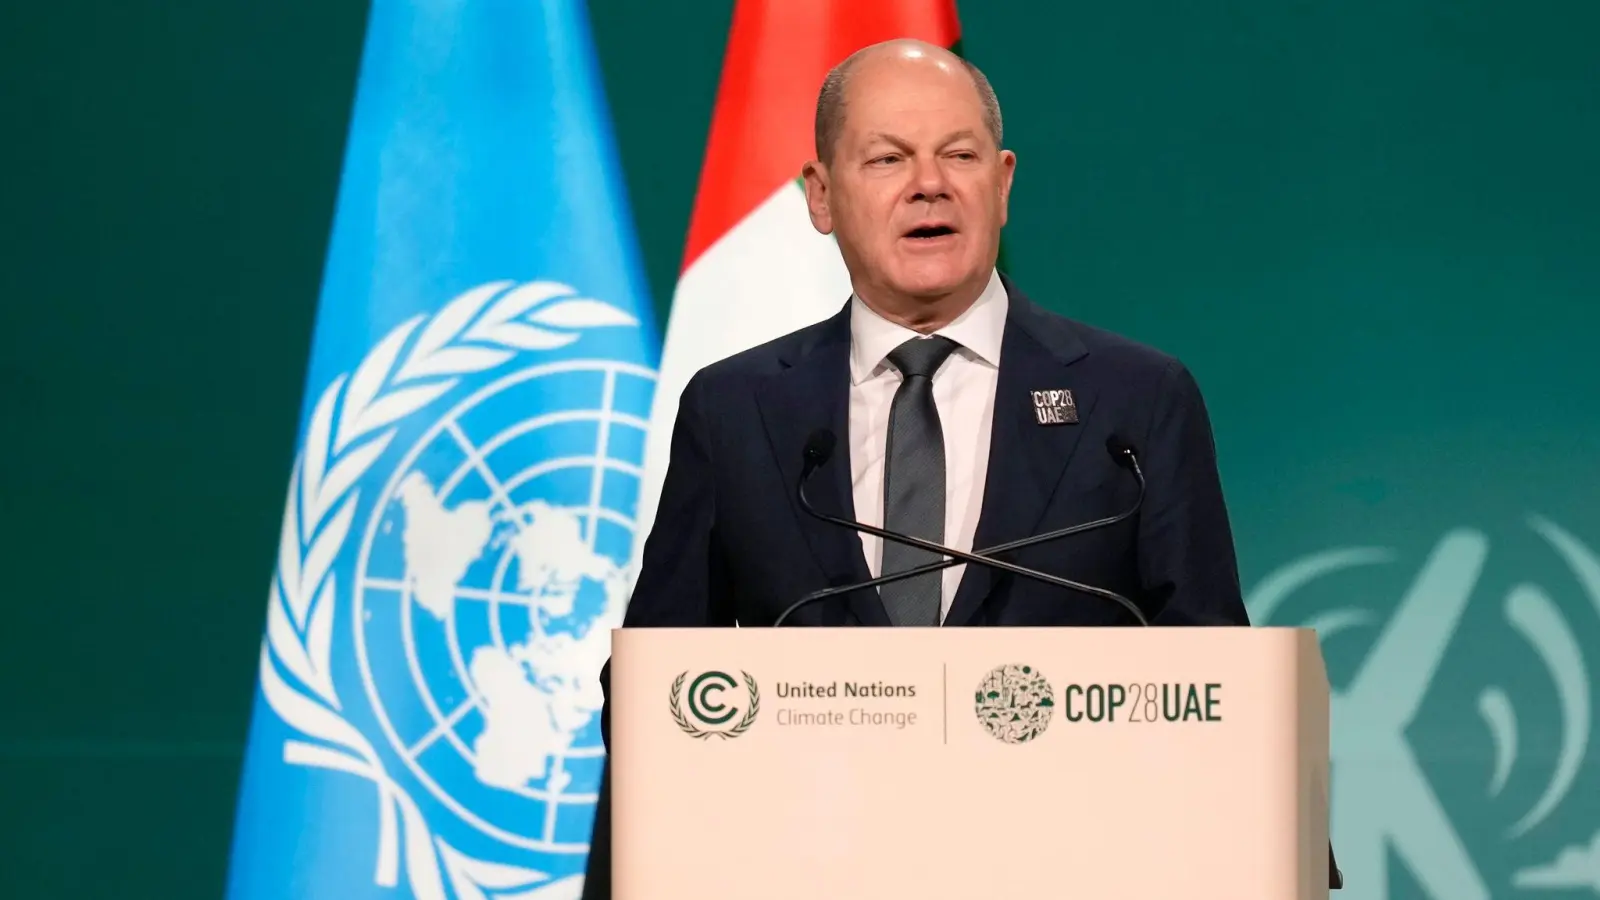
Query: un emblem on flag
<point>471,494</point>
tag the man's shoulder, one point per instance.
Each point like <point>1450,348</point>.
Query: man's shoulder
<point>1103,348</point>
<point>764,359</point>
<point>1123,350</point>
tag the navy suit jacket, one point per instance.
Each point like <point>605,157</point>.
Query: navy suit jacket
<point>731,543</point>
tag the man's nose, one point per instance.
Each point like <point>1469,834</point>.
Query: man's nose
<point>928,180</point>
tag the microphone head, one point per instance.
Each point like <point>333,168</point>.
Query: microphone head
<point>1121,451</point>
<point>819,447</point>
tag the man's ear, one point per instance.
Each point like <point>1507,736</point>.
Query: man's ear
<point>816,177</point>
<point>1008,169</point>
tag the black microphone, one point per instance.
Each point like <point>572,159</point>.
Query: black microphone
<point>818,450</point>
<point>819,447</point>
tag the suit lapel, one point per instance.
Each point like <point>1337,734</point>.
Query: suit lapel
<point>811,392</point>
<point>1026,459</point>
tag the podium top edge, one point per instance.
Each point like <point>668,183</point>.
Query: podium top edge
<point>1035,629</point>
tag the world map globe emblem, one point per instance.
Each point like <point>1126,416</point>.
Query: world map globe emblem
<point>489,577</point>
<point>1013,703</point>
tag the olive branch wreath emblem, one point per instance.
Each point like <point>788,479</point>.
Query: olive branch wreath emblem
<point>353,422</point>
<point>675,704</point>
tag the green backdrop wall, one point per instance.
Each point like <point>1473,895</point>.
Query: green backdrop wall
<point>1370,227</point>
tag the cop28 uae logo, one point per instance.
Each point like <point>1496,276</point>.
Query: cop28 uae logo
<point>714,707</point>
<point>1014,703</point>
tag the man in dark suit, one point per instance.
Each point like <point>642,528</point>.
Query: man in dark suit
<point>947,390</point>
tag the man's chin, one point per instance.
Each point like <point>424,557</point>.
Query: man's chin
<point>933,283</point>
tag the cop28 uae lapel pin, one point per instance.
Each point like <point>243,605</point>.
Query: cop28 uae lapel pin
<point>1054,408</point>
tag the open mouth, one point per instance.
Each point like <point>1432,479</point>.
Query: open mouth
<point>929,232</point>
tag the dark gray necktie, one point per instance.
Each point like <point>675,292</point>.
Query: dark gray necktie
<point>913,481</point>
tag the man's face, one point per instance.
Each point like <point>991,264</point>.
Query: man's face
<point>916,192</point>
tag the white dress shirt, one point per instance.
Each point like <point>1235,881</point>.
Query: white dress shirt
<point>963,391</point>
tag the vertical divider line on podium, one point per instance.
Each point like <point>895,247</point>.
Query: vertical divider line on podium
<point>944,700</point>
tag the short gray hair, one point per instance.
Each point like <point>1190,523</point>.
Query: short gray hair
<point>830,104</point>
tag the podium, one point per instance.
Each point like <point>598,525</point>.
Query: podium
<point>969,763</point>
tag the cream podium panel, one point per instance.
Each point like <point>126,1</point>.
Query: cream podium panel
<point>967,763</point>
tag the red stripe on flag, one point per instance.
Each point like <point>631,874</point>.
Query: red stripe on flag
<point>778,53</point>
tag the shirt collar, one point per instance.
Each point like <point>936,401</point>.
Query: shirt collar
<point>978,330</point>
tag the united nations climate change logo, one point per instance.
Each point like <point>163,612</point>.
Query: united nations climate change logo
<point>1014,703</point>
<point>479,590</point>
<point>711,711</point>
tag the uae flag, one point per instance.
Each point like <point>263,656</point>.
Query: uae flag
<point>754,268</point>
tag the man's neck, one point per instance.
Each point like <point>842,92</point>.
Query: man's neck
<point>924,314</point>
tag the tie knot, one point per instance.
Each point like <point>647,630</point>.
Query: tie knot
<point>921,356</point>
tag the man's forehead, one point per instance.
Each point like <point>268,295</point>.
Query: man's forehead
<point>910,137</point>
<point>876,74</point>
<point>906,53</point>
<point>911,90</point>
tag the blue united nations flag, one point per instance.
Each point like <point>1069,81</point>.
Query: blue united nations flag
<point>460,509</point>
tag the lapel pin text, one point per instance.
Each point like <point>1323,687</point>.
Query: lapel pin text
<point>1054,408</point>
